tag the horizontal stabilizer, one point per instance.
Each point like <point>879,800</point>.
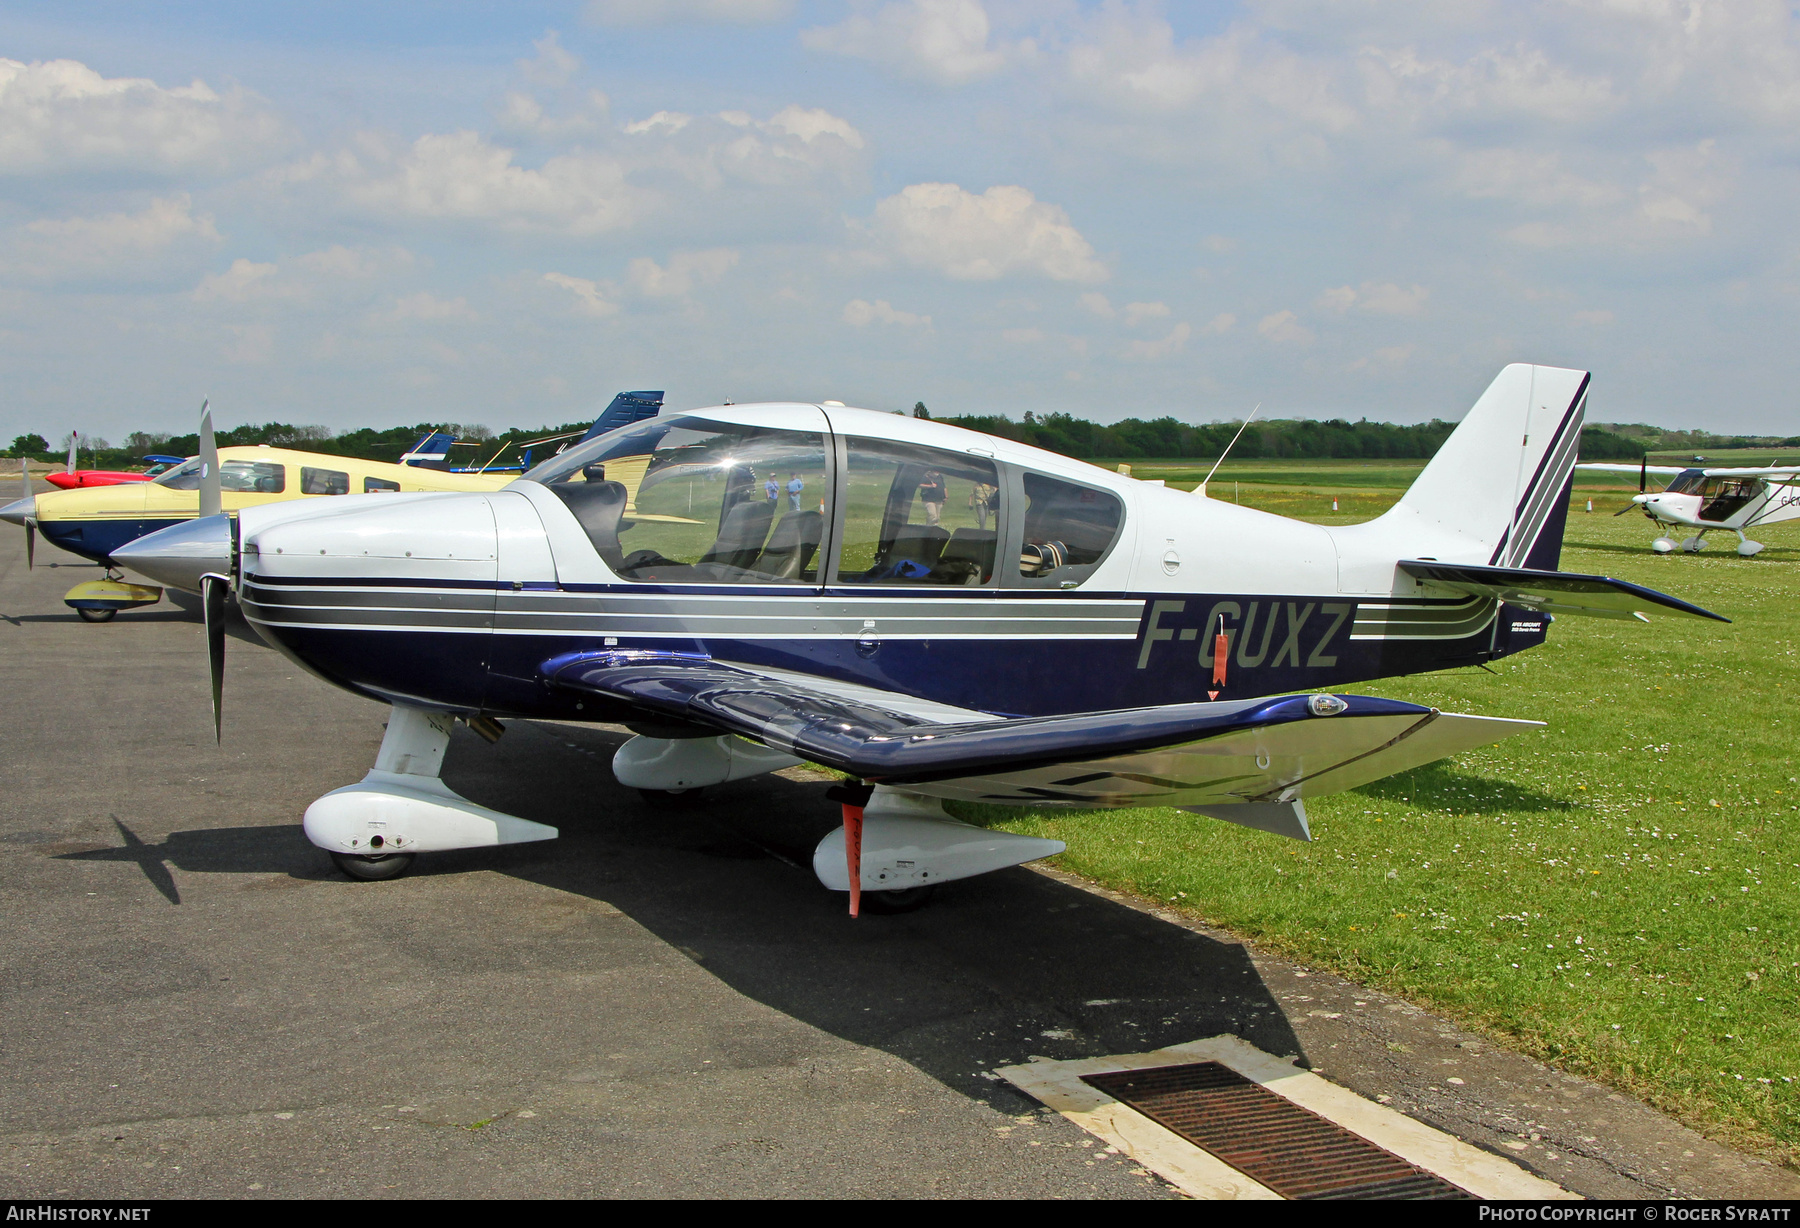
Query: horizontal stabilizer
<point>1553,592</point>
<point>1230,753</point>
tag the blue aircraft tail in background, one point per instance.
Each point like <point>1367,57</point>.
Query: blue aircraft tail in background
<point>626,408</point>
<point>433,450</point>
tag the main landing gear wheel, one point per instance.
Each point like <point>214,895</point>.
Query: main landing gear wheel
<point>1694,545</point>
<point>373,869</point>
<point>1663,545</point>
<point>672,799</point>
<point>897,901</point>
<point>96,616</point>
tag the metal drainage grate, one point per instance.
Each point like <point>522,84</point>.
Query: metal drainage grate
<point>1268,1137</point>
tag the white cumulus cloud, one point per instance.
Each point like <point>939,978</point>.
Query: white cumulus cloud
<point>110,245</point>
<point>1163,347</point>
<point>1002,232</point>
<point>591,298</point>
<point>669,170</point>
<point>860,313</point>
<point>1284,328</point>
<point>1382,298</point>
<point>61,115</point>
<point>683,272</point>
<point>945,41</point>
<point>666,12</point>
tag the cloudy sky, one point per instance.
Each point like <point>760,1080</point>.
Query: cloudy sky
<point>381,213</point>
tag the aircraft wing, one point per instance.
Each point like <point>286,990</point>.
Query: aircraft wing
<point>1260,752</point>
<point>1787,471</point>
<point>1661,471</point>
<point>1553,592</point>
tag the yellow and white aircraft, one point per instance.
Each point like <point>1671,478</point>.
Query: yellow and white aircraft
<point>93,522</point>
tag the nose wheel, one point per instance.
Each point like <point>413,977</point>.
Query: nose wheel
<point>373,869</point>
<point>1663,545</point>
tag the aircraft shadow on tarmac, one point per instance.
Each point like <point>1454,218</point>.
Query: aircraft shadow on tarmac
<point>215,850</point>
<point>988,973</point>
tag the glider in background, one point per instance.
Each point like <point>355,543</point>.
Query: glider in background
<point>937,613</point>
<point>1707,499</point>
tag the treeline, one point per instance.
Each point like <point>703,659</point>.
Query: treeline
<point>1661,439</point>
<point>476,446</point>
<point>1277,438</point>
<point>1280,438</point>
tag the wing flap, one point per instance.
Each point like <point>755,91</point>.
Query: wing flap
<point>1553,592</point>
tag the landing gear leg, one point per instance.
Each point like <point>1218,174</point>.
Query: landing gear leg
<point>373,829</point>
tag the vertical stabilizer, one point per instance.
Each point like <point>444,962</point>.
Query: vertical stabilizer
<point>1497,491</point>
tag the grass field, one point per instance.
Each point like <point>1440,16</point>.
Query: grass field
<point>1615,893</point>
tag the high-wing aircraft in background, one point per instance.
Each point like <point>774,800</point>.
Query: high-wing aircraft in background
<point>94,523</point>
<point>1709,499</point>
<point>937,613</point>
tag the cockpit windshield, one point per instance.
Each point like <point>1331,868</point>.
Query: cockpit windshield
<point>1687,482</point>
<point>690,500</point>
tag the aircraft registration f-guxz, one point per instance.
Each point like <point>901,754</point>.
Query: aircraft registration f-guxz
<point>1708,499</point>
<point>937,613</point>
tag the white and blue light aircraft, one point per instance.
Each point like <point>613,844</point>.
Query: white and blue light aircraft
<point>1709,499</point>
<point>936,613</point>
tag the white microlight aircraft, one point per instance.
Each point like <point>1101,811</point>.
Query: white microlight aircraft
<point>937,613</point>
<point>1708,499</point>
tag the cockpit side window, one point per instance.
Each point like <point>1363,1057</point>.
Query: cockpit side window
<point>689,501</point>
<point>1724,496</point>
<point>917,516</point>
<point>1067,529</point>
<point>238,476</point>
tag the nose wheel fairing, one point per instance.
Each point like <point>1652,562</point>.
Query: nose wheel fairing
<point>402,807</point>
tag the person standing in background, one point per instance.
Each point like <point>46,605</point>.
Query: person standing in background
<point>794,487</point>
<point>933,493</point>
<point>772,488</point>
<point>982,499</point>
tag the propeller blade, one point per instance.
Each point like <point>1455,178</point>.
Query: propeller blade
<point>30,525</point>
<point>213,588</point>
<point>212,500</point>
<point>1643,472</point>
<point>74,443</point>
<point>1629,507</point>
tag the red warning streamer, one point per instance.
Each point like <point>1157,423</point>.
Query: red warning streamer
<point>853,827</point>
<point>1221,650</point>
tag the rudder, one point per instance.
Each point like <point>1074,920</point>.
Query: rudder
<point>1498,490</point>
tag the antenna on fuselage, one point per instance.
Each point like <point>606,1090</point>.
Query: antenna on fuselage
<point>1201,489</point>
